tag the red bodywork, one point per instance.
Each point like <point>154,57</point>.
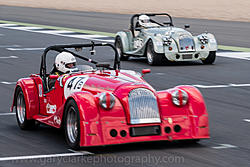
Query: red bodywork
<point>96,122</point>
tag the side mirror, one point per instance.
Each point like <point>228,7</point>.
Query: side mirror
<point>186,26</point>
<point>145,71</point>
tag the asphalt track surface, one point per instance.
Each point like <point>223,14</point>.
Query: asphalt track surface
<point>228,107</point>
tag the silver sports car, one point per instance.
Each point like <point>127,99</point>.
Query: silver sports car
<point>162,42</point>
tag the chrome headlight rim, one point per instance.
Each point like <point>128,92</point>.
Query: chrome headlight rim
<point>106,100</point>
<point>179,97</point>
<point>203,39</point>
<point>167,40</point>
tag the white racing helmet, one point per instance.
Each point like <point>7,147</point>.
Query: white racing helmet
<point>143,19</point>
<point>65,62</point>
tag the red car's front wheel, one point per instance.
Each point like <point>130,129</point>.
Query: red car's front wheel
<point>72,125</point>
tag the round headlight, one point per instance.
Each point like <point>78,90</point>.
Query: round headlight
<point>167,40</point>
<point>107,100</point>
<point>179,97</point>
<point>203,39</point>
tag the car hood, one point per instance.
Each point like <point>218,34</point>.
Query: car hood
<point>103,81</point>
<point>174,32</point>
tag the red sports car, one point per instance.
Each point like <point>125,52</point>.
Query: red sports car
<point>107,105</point>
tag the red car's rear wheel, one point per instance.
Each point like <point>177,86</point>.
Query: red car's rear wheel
<point>21,114</point>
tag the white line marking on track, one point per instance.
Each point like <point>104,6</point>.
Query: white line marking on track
<point>74,151</point>
<point>8,83</point>
<point>6,25</point>
<point>28,49</point>
<point>54,32</point>
<point>4,114</point>
<point>45,156</point>
<point>246,120</point>
<point>24,28</point>
<point>8,46</point>
<point>211,86</point>
<point>235,55</point>
<point>221,86</point>
<point>222,146</point>
<point>9,57</point>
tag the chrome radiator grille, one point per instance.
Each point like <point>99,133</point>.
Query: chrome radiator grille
<point>143,107</point>
<point>186,44</point>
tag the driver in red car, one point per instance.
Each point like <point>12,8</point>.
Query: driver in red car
<point>65,62</point>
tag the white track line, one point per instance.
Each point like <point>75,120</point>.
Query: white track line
<point>221,86</point>
<point>45,156</point>
<point>8,46</point>
<point>24,28</point>
<point>27,49</point>
<point>246,120</point>
<point>8,83</point>
<point>9,57</point>
<point>53,32</point>
<point>222,146</point>
<point>235,55</point>
<point>4,114</point>
<point>6,25</point>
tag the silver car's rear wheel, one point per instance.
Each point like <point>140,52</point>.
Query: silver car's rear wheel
<point>72,124</point>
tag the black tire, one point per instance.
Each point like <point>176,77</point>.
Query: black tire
<point>119,48</point>
<point>72,137</point>
<point>21,114</point>
<point>210,59</point>
<point>190,141</point>
<point>154,58</point>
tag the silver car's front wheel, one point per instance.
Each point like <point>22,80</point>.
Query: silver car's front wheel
<point>153,57</point>
<point>119,48</point>
<point>72,124</point>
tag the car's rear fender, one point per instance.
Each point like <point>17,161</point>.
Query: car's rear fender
<point>30,92</point>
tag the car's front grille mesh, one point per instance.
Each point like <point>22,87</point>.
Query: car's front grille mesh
<point>143,106</point>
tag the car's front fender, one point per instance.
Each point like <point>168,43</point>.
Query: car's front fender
<point>126,38</point>
<point>89,118</point>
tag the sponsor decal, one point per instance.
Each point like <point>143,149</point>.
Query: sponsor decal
<point>57,120</point>
<point>51,109</point>
<point>40,88</point>
<point>138,43</point>
<point>74,84</point>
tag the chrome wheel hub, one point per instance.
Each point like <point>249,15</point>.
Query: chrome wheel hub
<point>20,108</point>
<point>72,129</point>
<point>149,56</point>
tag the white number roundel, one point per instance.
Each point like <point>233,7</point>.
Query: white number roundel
<point>74,84</point>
